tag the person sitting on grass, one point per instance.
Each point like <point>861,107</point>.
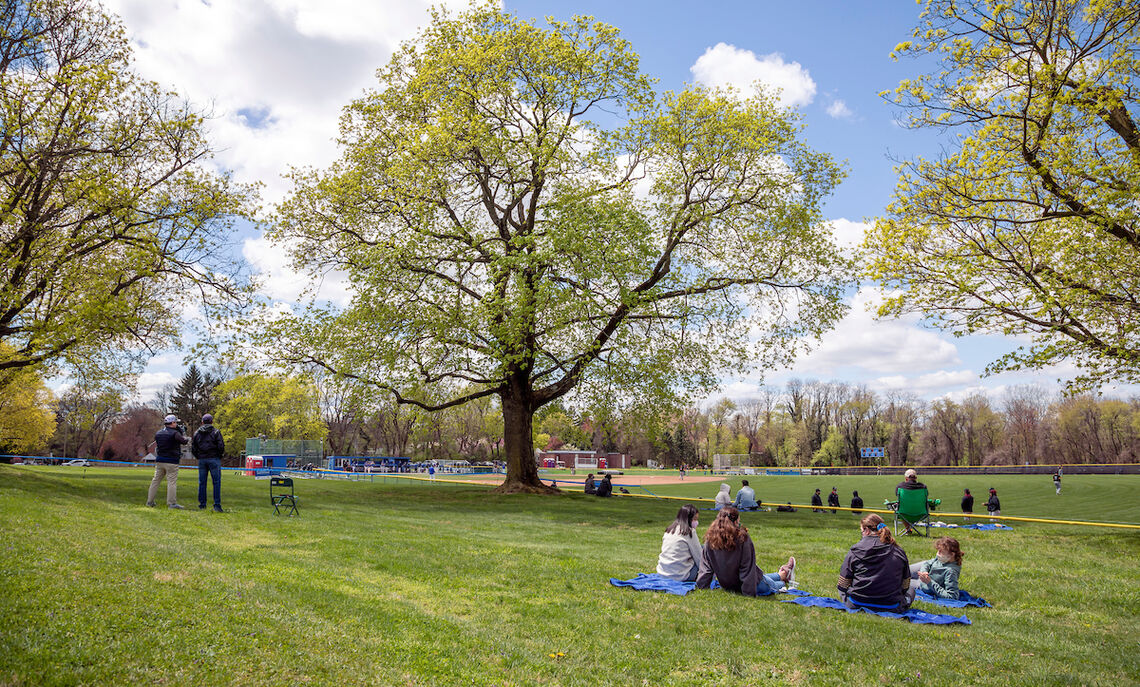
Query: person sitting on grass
<point>722,497</point>
<point>590,487</point>
<point>875,573</point>
<point>745,498</point>
<point>606,488</point>
<point>680,547</point>
<point>730,556</point>
<point>938,576</point>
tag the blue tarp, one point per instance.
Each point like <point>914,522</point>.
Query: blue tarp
<point>964,599</point>
<point>652,582</point>
<point>973,526</point>
<point>913,615</point>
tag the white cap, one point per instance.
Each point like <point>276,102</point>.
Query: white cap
<point>911,473</point>
<point>170,419</point>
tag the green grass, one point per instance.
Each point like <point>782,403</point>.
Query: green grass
<point>407,583</point>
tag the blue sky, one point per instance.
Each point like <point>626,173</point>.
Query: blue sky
<point>275,74</point>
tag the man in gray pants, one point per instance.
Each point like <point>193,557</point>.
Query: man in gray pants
<point>168,443</point>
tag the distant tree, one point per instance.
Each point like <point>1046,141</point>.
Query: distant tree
<point>1028,226</point>
<point>266,405</point>
<point>487,213</point>
<point>84,415</point>
<point>193,396</point>
<point>132,434</point>
<point>110,218</point>
<point>27,420</point>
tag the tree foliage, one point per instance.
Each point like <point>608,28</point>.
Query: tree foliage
<point>110,222</point>
<point>266,405</point>
<point>27,420</point>
<point>1028,226</point>
<point>520,215</point>
<point>193,396</point>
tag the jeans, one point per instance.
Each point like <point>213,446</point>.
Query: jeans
<point>209,467</point>
<point>770,582</point>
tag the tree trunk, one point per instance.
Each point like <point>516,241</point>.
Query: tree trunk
<point>522,470</point>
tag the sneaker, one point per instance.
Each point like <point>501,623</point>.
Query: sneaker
<point>175,506</point>
<point>217,509</point>
<point>150,504</point>
<point>791,583</point>
<point>201,506</point>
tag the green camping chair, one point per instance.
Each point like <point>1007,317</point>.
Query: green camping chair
<point>913,510</point>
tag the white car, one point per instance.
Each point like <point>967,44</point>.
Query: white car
<point>80,462</point>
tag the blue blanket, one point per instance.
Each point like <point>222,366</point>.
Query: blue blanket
<point>913,615</point>
<point>973,526</point>
<point>653,582</point>
<point>964,599</point>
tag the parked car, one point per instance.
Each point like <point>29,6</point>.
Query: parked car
<point>79,462</point>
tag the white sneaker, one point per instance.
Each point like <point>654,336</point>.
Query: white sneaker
<point>791,583</point>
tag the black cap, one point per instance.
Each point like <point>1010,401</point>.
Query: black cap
<point>207,419</point>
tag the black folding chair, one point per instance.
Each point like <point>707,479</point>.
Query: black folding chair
<point>281,498</point>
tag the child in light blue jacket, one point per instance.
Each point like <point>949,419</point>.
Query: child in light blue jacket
<point>939,575</point>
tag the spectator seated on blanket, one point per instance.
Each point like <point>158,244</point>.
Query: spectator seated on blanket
<point>591,488</point>
<point>745,498</point>
<point>606,488</point>
<point>722,497</point>
<point>680,547</point>
<point>876,572</point>
<point>730,555</point>
<point>938,576</point>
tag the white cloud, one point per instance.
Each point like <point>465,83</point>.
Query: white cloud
<point>848,234</point>
<point>889,346</point>
<point>274,73</point>
<point>727,65</point>
<point>281,282</point>
<point>923,385</point>
<point>839,110</point>
<point>150,383</point>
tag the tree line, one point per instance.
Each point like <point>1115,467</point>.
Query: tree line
<point>804,423</point>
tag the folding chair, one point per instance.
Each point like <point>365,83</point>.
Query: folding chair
<point>279,497</point>
<point>913,509</point>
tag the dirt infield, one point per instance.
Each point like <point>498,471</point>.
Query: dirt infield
<point>634,480</point>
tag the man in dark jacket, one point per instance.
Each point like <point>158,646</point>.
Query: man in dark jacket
<point>910,481</point>
<point>606,487</point>
<point>993,505</point>
<point>816,500</point>
<point>168,443</point>
<point>208,448</point>
<point>833,498</point>
<point>856,501</point>
<point>967,502</point>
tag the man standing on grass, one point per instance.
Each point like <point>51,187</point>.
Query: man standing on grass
<point>1057,481</point>
<point>993,505</point>
<point>833,498</point>
<point>168,443</point>
<point>208,447</point>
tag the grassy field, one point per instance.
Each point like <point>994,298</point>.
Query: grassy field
<point>394,584</point>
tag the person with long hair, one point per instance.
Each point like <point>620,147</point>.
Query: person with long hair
<point>939,575</point>
<point>680,547</point>
<point>876,572</point>
<point>730,556</point>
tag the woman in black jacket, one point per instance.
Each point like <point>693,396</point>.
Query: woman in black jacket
<point>876,572</point>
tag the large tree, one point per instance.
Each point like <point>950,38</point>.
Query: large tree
<point>1028,224</point>
<point>111,223</point>
<point>520,215</point>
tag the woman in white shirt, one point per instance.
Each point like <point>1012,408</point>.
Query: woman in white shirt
<point>722,497</point>
<point>680,547</point>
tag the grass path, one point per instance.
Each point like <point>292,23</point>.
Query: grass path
<point>419,584</point>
